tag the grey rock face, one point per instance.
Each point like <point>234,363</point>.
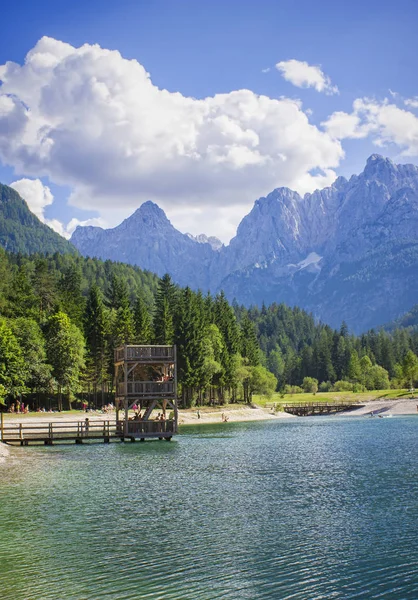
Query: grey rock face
<point>347,252</point>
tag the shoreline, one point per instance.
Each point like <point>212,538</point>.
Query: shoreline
<point>233,412</point>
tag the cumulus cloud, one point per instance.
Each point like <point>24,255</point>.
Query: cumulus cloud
<point>67,230</point>
<point>411,102</point>
<point>92,120</point>
<point>303,75</point>
<point>384,121</point>
<point>36,194</point>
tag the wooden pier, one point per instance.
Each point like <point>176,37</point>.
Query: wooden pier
<point>306,409</point>
<point>49,433</point>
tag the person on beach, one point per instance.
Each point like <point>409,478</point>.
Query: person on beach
<point>198,413</point>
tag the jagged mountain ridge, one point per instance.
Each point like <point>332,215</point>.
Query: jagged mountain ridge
<point>347,252</point>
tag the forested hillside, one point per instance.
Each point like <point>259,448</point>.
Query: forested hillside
<point>22,231</point>
<point>63,315</point>
<point>408,320</point>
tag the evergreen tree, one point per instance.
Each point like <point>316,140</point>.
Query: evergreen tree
<point>22,300</point>
<point>72,299</point>
<point>142,322</point>
<point>410,368</point>
<point>164,311</point>
<point>190,337</point>
<point>354,369</point>
<point>45,288</point>
<point>249,344</point>
<point>96,330</point>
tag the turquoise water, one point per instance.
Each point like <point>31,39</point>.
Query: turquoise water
<point>302,509</point>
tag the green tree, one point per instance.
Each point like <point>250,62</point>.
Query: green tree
<point>190,338</point>
<point>36,371</point>
<point>262,382</point>
<point>23,301</point>
<point>72,300</point>
<point>410,368</point>
<point>45,288</point>
<point>250,349</point>
<point>354,370</point>
<point>164,311</point>
<point>142,322</point>
<point>12,364</point>
<point>310,385</point>
<point>96,337</point>
<point>365,366</point>
<point>65,352</point>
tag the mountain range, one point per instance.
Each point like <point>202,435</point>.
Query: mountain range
<point>347,252</point>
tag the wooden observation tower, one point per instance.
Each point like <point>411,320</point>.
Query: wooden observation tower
<point>146,392</point>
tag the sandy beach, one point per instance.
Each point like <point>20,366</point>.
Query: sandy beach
<point>233,413</point>
<point>400,406</point>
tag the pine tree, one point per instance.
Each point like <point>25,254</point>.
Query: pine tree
<point>45,288</point>
<point>164,311</point>
<point>96,329</point>
<point>72,300</point>
<point>142,322</point>
<point>189,338</point>
<point>249,344</point>
<point>23,301</point>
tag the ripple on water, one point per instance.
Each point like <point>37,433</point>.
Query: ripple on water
<point>300,510</point>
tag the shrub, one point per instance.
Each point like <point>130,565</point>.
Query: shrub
<point>310,385</point>
<point>325,386</point>
<point>342,386</point>
<point>293,389</point>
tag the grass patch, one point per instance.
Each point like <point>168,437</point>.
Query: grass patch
<point>331,397</point>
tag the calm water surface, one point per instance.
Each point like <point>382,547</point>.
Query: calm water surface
<point>301,509</point>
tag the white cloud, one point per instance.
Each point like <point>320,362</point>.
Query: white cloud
<point>411,102</point>
<point>303,75</point>
<point>67,230</point>
<point>37,195</point>
<point>266,70</point>
<point>385,122</point>
<point>92,120</point>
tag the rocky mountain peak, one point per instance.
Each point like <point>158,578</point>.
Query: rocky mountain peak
<point>213,241</point>
<point>348,251</point>
<point>380,168</point>
<point>149,214</point>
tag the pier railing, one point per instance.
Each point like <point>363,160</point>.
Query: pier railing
<point>312,408</point>
<point>146,388</point>
<point>79,431</point>
<point>144,353</point>
<point>58,430</point>
<point>137,428</point>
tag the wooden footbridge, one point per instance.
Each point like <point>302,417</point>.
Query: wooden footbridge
<point>88,430</point>
<point>306,409</point>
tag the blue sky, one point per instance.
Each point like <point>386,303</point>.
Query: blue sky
<point>200,50</point>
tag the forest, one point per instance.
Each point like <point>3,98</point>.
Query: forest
<point>63,315</point>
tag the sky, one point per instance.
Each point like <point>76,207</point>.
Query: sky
<point>201,107</point>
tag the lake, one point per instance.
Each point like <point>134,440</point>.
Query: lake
<point>295,509</point>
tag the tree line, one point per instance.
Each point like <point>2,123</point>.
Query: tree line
<point>62,316</point>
